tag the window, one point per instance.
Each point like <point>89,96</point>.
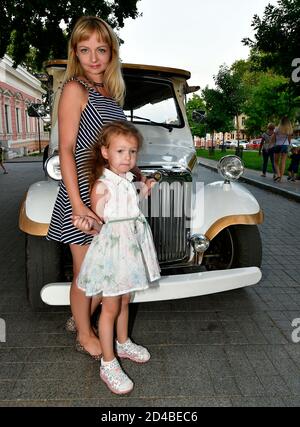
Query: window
<point>7,118</point>
<point>1,126</point>
<point>27,121</point>
<point>18,120</point>
<point>151,101</point>
<point>243,121</point>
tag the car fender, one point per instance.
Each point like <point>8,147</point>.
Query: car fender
<point>224,204</point>
<point>37,206</point>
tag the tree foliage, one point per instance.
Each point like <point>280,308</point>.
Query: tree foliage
<point>217,117</point>
<point>277,35</point>
<point>41,27</point>
<point>268,101</point>
<point>230,84</point>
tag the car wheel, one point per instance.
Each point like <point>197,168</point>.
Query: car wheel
<point>43,265</point>
<point>235,247</point>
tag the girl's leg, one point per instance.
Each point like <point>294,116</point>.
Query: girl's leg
<point>110,310</point>
<point>81,305</point>
<point>126,349</point>
<point>122,320</point>
<point>283,163</point>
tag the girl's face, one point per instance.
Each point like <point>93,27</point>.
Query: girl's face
<point>121,153</point>
<point>94,56</point>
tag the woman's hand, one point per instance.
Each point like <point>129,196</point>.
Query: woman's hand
<point>86,224</point>
<point>84,217</point>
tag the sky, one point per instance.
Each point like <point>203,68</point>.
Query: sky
<point>196,35</point>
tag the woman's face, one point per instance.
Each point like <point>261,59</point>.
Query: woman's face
<point>94,56</point>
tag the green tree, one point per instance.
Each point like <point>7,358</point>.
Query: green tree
<point>45,25</point>
<point>217,117</point>
<point>196,103</point>
<point>229,84</point>
<point>268,101</point>
<point>276,39</point>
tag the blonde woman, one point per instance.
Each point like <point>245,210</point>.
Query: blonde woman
<point>92,96</point>
<point>281,140</point>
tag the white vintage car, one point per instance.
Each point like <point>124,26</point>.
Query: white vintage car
<point>206,236</point>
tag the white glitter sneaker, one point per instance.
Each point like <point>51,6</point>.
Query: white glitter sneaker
<point>115,378</point>
<point>132,351</point>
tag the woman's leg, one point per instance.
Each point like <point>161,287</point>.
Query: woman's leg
<point>110,310</point>
<point>271,154</point>
<point>81,305</point>
<point>276,163</point>
<point>265,161</point>
<point>283,163</point>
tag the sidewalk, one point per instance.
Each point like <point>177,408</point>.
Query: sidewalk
<point>26,159</point>
<point>290,190</point>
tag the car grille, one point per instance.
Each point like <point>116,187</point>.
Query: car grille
<point>168,213</point>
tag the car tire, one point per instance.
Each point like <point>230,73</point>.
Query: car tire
<point>43,265</point>
<point>247,246</point>
<point>237,246</point>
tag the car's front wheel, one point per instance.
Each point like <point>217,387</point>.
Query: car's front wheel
<point>43,265</point>
<point>235,247</point>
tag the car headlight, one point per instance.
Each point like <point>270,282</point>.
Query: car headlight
<point>52,167</point>
<point>231,167</point>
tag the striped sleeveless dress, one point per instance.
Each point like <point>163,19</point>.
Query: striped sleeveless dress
<point>98,111</point>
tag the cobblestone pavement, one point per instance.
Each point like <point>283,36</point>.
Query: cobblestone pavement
<point>230,349</point>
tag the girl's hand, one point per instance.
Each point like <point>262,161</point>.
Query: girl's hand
<point>86,224</point>
<point>147,186</point>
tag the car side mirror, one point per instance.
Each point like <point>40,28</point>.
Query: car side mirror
<point>36,110</point>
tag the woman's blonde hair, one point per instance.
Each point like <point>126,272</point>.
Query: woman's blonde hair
<point>96,162</point>
<point>285,127</point>
<point>84,28</point>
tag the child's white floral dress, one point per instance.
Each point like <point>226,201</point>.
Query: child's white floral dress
<point>122,257</point>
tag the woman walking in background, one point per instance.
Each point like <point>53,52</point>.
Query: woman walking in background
<point>267,149</point>
<point>281,140</point>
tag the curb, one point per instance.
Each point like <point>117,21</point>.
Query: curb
<point>265,186</point>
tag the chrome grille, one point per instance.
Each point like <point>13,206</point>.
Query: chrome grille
<point>168,213</point>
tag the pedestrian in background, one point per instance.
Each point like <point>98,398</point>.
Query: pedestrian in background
<point>1,160</point>
<point>267,149</point>
<point>281,140</point>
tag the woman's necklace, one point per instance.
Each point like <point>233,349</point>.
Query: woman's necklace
<point>95,84</point>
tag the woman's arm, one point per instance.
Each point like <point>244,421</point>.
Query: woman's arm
<point>261,144</point>
<point>273,139</point>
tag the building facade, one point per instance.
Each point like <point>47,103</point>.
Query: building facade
<point>19,133</point>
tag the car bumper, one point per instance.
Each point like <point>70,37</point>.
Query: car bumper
<point>172,287</point>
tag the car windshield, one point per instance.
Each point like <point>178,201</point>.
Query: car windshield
<point>151,101</point>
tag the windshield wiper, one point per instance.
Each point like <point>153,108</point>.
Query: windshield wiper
<point>164,125</point>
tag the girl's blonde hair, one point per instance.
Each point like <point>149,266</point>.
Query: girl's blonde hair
<point>97,163</point>
<point>84,28</point>
<point>285,127</point>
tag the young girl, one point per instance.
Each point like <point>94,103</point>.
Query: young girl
<point>294,165</point>
<point>121,258</point>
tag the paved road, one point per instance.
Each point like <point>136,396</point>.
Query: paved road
<point>230,349</point>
